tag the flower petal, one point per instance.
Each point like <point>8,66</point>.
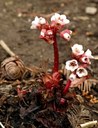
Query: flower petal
<point>81,72</point>
<point>77,49</point>
<point>71,65</point>
<point>88,53</point>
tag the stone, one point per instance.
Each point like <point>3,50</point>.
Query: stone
<point>91,10</point>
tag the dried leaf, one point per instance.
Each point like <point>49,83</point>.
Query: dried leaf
<point>77,82</point>
<point>87,84</point>
<point>83,84</point>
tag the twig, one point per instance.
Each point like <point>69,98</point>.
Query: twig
<point>88,124</point>
<point>6,48</point>
<point>96,57</point>
<point>2,126</point>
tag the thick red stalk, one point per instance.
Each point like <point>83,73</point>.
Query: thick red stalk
<point>56,55</point>
<point>67,86</point>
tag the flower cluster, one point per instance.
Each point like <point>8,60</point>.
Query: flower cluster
<point>79,63</point>
<point>48,31</point>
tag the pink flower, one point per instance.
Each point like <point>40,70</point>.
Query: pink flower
<point>71,65</point>
<point>81,72</point>
<point>66,34</point>
<point>37,22</point>
<point>59,19</point>
<point>85,58</point>
<point>77,49</point>
<point>47,35</point>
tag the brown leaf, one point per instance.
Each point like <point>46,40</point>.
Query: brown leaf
<point>77,82</point>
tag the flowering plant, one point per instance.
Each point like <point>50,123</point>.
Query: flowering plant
<point>81,60</point>
<point>48,32</point>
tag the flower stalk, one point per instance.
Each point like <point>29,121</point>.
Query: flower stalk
<point>68,84</point>
<point>56,56</point>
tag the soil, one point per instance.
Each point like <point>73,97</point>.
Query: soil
<point>15,21</point>
<point>16,17</point>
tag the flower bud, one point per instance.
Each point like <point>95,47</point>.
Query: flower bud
<point>47,35</point>
<point>66,34</point>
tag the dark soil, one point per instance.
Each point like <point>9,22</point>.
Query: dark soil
<point>15,22</point>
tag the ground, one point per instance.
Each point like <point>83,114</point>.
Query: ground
<point>15,22</point>
<point>16,17</point>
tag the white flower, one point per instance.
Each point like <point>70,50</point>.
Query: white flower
<point>71,65</point>
<point>88,53</point>
<point>42,20</point>
<point>55,17</point>
<point>81,72</point>
<point>64,19</point>
<point>60,19</point>
<point>77,49</point>
<point>72,77</point>
<point>37,22</point>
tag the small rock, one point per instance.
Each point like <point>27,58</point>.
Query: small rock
<point>5,88</point>
<point>91,10</point>
<point>19,14</point>
<point>62,5</point>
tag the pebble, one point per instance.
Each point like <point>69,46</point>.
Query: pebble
<point>91,10</point>
<point>19,14</point>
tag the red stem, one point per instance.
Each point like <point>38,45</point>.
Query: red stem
<point>67,86</point>
<point>56,55</point>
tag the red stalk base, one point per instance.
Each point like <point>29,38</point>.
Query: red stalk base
<point>67,86</point>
